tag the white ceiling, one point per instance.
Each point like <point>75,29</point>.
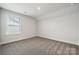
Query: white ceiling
<point>30,9</point>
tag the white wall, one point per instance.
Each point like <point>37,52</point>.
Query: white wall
<point>78,28</point>
<point>0,32</point>
<point>28,27</point>
<point>0,26</point>
<point>78,25</point>
<point>60,26</point>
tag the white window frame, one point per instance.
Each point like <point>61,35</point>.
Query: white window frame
<point>11,17</point>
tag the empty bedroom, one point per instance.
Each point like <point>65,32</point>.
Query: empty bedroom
<point>39,28</point>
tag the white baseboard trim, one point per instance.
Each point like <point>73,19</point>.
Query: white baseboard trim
<point>42,37</point>
<point>60,40</point>
<point>19,39</point>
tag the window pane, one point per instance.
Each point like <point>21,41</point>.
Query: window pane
<point>14,29</point>
<point>14,21</point>
<point>13,25</point>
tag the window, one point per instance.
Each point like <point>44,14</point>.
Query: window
<point>13,25</point>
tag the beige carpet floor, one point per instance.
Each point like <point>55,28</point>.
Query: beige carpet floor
<point>39,46</point>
